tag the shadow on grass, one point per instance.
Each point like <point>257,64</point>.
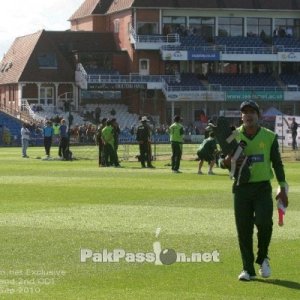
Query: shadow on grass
<point>285,283</point>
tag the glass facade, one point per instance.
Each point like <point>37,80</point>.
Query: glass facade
<point>227,26</point>
<point>259,27</point>
<point>203,26</point>
<point>287,28</point>
<point>174,25</point>
<point>230,26</point>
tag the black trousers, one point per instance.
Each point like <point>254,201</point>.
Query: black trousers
<point>63,145</point>
<point>176,155</point>
<point>47,144</point>
<point>253,205</point>
<point>294,142</point>
<point>101,158</point>
<point>110,156</point>
<point>145,154</point>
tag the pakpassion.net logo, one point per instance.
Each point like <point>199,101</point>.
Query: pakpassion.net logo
<point>158,256</point>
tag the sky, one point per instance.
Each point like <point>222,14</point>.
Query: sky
<point>22,17</point>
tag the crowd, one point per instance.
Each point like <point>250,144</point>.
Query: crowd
<point>85,134</point>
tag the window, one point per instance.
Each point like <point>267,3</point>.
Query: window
<point>98,96</point>
<point>175,24</point>
<point>147,28</point>
<point>255,26</point>
<point>203,26</point>
<point>46,95</point>
<point>129,26</point>
<point>116,26</point>
<point>47,61</point>
<point>287,27</point>
<point>230,26</point>
<point>144,66</point>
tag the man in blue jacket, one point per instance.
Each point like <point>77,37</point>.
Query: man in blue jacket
<point>48,133</point>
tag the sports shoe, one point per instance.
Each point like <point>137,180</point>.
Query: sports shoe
<point>176,171</point>
<point>151,167</point>
<point>265,269</point>
<point>200,172</point>
<point>244,276</point>
<point>210,173</point>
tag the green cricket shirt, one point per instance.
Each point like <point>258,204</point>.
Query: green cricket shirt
<point>263,152</point>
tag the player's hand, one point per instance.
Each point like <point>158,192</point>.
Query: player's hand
<point>283,197</point>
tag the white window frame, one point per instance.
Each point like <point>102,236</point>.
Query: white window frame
<point>46,100</point>
<point>116,26</point>
<point>144,66</point>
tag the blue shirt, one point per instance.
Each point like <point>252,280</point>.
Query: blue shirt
<point>48,131</point>
<point>63,131</point>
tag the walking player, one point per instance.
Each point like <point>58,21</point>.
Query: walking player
<point>176,137</point>
<point>253,204</point>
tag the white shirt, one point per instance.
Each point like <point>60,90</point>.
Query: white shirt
<point>25,133</point>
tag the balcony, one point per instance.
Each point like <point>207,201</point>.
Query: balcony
<point>152,42</point>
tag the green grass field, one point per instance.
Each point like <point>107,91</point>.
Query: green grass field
<point>50,210</point>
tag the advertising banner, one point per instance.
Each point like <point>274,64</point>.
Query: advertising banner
<point>254,95</point>
<point>204,56</point>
